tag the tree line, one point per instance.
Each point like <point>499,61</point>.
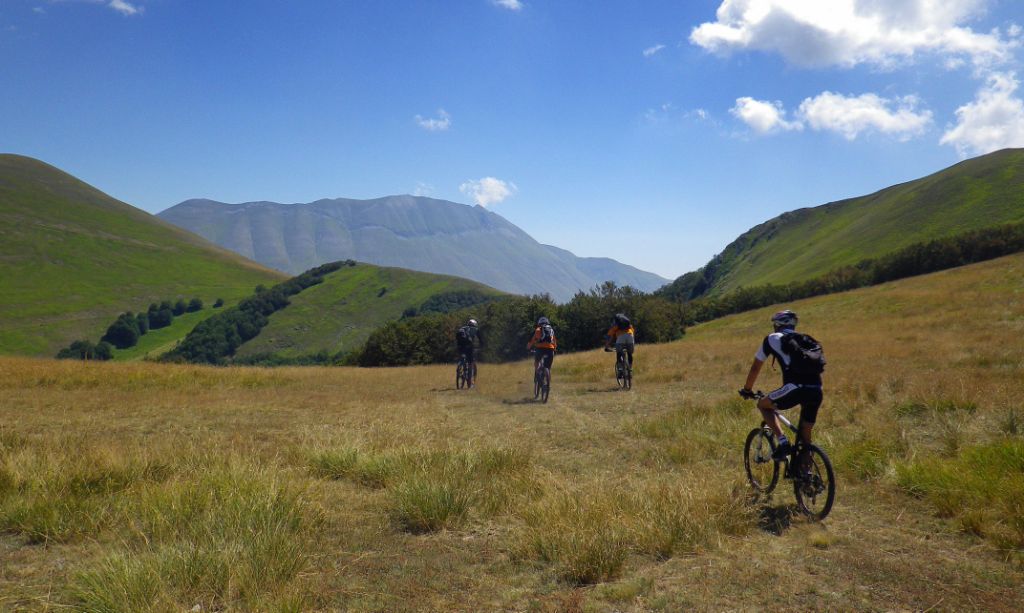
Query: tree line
<point>129,327</point>
<point>216,339</point>
<point>506,324</point>
<point>917,259</point>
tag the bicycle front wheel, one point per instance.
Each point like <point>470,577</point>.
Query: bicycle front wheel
<point>762,470</point>
<point>815,483</point>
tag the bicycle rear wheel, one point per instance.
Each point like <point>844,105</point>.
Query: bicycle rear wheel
<point>537,377</point>
<point>815,483</point>
<point>545,388</point>
<point>628,378</point>
<point>460,375</point>
<point>762,470</point>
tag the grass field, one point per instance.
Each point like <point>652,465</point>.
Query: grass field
<point>138,486</point>
<point>72,258</point>
<point>340,313</point>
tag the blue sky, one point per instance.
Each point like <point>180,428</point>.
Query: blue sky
<point>651,132</point>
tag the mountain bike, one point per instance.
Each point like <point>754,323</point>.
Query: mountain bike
<point>465,373</point>
<point>541,380</point>
<point>623,371</point>
<point>814,482</point>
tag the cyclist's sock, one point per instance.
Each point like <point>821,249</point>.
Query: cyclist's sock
<point>783,440</point>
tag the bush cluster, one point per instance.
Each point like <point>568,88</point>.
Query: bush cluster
<point>85,350</point>
<point>128,328</point>
<point>217,338</point>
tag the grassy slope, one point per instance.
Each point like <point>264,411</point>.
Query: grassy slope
<point>639,481</point>
<point>72,257</point>
<point>340,313</point>
<point>972,195</point>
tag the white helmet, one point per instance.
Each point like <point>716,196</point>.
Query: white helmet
<point>471,322</point>
<point>784,319</point>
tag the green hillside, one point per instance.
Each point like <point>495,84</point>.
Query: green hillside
<point>972,195</point>
<point>72,258</point>
<point>339,314</point>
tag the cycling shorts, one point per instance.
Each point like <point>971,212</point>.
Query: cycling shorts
<point>548,355</point>
<point>807,396</point>
<point>625,342</point>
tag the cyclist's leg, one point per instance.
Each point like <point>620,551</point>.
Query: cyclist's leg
<point>785,397</point>
<point>809,405</point>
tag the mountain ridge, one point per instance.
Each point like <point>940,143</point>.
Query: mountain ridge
<point>414,232</point>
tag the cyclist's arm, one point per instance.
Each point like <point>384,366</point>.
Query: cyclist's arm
<point>536,337</point>
<point>755,370</point>
<point>610,336</point>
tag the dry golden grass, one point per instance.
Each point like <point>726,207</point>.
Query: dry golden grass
<point>134,486</point>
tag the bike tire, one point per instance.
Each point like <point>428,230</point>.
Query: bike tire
<point>628,378</point>
<point>815,494</point>
<point>536,384</point>
<point>545,387</point>
<point>762,470</point>
<point>460,375</point>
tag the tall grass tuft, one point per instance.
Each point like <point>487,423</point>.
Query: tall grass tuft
<point>982,488</point>
<point>580,534</point>
<point>234,537</point>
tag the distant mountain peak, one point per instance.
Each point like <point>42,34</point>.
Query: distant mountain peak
<point>414,232</point>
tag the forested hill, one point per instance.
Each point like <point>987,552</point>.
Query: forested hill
<point>806,243</point>
<point>72,258</point>
<point>411,232</point>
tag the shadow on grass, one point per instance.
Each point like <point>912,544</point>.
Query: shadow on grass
<point>528,400</point>
<point>605,390</point>
<point>776,520</point>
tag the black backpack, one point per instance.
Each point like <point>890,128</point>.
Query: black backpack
<point>806,356</point>
<point>547,334</point>
<point>463,336</point>
<point>622,322</point>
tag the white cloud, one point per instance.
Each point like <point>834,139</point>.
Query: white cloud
<point>994,120</point>
<point>849,116</point>
<point>442,122</point>
<point>423,189</point>
<point>762,116</point>
<point>124,7</point>
<point>648,52</point>
<point>850,32</point>
<point>39,10</point>
<point>512,5</point>
<point>488,191</point>
<point>853,115</point>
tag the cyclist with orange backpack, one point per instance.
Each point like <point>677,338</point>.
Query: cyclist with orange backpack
<point>543,342</point>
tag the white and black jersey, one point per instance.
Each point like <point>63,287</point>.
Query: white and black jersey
<point>773,346</point>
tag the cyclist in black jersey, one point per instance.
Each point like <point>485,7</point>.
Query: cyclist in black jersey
<point>464,338</point>
<point>797,388</point>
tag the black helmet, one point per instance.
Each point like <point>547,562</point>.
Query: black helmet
<point>621,319</point>
<point>784,319</point>
<point>543,321</point>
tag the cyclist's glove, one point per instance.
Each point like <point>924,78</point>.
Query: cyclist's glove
<point>748,394</point>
